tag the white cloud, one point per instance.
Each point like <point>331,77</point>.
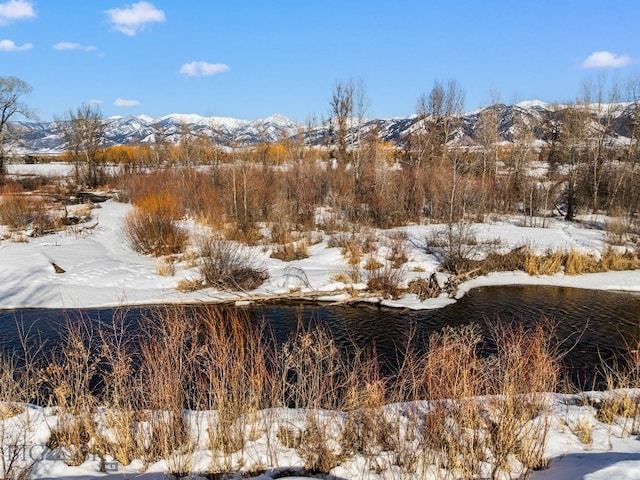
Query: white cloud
<point>202,69</point>
<point>121,102</point>
<point>73,46</point>
<point>15,10</point>
<point>10,46</point>
<point>128,20</point>
<point>94,102</point>
<point>606,59</point>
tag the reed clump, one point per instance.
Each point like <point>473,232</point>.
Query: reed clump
<point>183,380</point>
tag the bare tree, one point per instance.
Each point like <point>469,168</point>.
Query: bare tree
<point>12,89</point>
<point>342,108</point>
<point>442,111</point>
<point>445,106</point>
<point>599,140</point>
<point>488,136</point>
<point>573,130</point>
<point>83,131</point>
<point>160,143</point>
<point>360,159</point>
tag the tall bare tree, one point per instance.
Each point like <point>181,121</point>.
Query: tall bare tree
<point>442,110</point>
<point>599,140</point>
<point>160,143</point>
<point>84,133</point>
<point>573,130</point>
<point>342,108</point>
<point>12,89</point>
<point>488,136</point>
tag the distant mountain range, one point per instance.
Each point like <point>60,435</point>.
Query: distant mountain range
<point>45,137</point>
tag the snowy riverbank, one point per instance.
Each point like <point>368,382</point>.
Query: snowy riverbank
<point>102,270</point>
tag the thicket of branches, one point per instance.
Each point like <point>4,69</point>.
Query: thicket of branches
<point>433,173</point>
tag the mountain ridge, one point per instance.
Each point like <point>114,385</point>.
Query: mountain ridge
<point>46,138</point>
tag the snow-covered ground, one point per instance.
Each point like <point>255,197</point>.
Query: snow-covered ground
<point>580,446</point>
<point>102,270</point>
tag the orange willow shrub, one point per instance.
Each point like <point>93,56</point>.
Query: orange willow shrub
<point>151,228</point>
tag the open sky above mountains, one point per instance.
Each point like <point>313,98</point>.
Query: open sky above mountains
<point>252,59</point>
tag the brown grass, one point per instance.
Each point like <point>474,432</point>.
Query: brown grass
<point>18,211</point>
<point>291,251</point>
<point>372,264</point>
<point>218,360</point>
<point>577,263</point>
<point>615,260</point>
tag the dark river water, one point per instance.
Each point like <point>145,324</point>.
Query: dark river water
<point>591,325</point>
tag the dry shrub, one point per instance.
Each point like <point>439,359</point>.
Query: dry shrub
<point>618,405</point>
<point>233,378</point>
<point>16,211</point>
<point>352,250</point>
<point>369,241</point>
<point>349,277</point>
<point>225,265</point>
<point>584,431</point>
<point>459,431</point>
<point>617,231</point>
<point>372,263</point>
<point>160,205</point>
<point>513,260</point>
<point>281,232</point>
<point>398,249</point>
<point>455,245</point>
<point>425,288</point>
<point>69,377</point>
<point>14,464</point>
<point>166,267</point>
<point>168,348</point>
<point>289,437</point>
<point>151,228</point>
<point>313,371</point>
<point>386,281</point>
<point>452,429</point>
<point>190,284</point>
<point>247,233</point>
<point>10,188</point>
<point>551,263</point>
<point>336,240</point>
<point>315,448</point>
<point>524,369</point>
<point>11,388</point>
<point>622,378</point>
<point>368,428</point>
<point>291,251</point>
<point>118,360</point>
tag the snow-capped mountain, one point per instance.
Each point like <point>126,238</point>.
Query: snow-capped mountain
<point>532,116</point>
<point>47,137</point>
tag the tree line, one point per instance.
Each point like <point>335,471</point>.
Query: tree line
<point>582,165</point>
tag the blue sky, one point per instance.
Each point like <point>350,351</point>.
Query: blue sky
<point>251,59</point>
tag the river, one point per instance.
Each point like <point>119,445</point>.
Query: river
<point>590,325</point>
